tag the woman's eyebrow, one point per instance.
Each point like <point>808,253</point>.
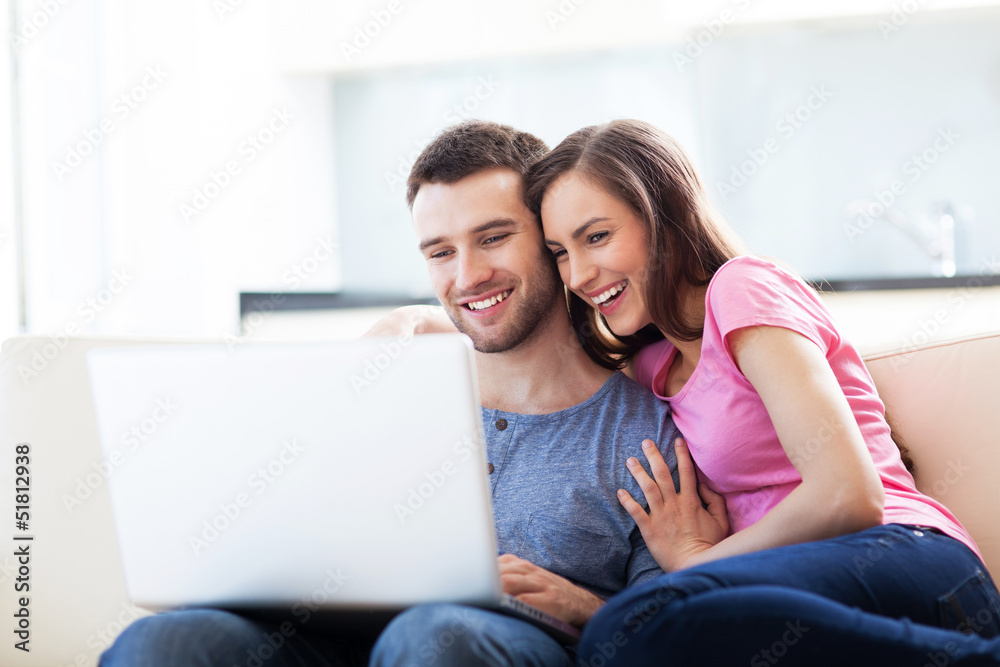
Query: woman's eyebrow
<point>581,230</point>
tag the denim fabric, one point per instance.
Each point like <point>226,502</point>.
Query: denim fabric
<point>214,638</point>
<point>448,635</point>
<point>893,594</point>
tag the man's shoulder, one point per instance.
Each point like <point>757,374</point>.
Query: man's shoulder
<point>634,402</point>
<point>627,387</point>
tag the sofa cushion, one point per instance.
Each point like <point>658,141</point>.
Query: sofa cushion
<point>942,399</point>
<point>77,597</point>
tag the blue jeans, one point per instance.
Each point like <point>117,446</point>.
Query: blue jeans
<point>216,638</point>
<point>892,594</point>
<point>446,635</point>
<point>439,635</point>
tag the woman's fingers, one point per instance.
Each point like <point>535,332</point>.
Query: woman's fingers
<point>634,509</point>
<point>659,468</point>
<point>649,488</point>
<point>685,467</point>
<point>716,505</point>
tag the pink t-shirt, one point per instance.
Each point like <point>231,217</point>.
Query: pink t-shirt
<point>726,425</point>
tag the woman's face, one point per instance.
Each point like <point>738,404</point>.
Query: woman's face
<point>601,248</point>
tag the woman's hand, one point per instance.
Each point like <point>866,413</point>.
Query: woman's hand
<point>677,526</point>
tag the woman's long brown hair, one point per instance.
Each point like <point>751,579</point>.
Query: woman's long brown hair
<point>647,169</point>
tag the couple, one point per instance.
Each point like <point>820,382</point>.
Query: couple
<point>833,556</point>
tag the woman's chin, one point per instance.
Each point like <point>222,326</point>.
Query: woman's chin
<point>620,329</point>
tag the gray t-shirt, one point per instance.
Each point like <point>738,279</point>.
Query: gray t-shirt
<point>555,477</point>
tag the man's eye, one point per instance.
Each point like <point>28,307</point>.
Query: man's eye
<point>498,237</point>
<point>596,237</point>
<point>439,255</point>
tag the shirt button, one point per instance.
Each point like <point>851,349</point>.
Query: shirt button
<point>489,468</point>
<point>501,424</point>
<point>918,533</point>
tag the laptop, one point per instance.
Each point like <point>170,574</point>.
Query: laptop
<point>346,479</point>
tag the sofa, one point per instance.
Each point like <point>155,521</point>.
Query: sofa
<point>941,397</point>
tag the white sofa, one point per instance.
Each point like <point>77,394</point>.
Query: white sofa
<point>942,397</point>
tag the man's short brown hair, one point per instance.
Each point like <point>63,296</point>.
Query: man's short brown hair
<point>471,146</point>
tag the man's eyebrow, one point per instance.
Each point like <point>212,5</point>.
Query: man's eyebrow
<point>499,223</point>
<point>427,243</point>
<point>580,231</point>
<point>494,224</point>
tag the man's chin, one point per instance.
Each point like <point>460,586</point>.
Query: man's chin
<point>487,341</point>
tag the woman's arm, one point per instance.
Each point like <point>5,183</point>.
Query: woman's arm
<point>840,490</point>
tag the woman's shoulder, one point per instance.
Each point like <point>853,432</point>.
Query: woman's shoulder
<point>751,276</point>
<point>753,268</point>
<point>748,291</point>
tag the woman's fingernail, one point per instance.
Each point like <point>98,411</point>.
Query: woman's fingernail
<point>646,444</point>
<point>632,461</point>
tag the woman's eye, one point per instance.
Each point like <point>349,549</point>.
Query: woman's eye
<point>596,237</point>
<point>558,253</point>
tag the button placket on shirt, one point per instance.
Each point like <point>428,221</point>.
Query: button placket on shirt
<point>499,424</point>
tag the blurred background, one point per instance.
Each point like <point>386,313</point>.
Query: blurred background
<point>161,158</point>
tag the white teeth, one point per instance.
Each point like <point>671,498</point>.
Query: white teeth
<point>609,293</point>
<point>486,303</point>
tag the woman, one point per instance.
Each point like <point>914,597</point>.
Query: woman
<point>830,542</point>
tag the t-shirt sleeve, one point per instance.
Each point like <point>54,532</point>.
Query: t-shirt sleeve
<point>753,292</point>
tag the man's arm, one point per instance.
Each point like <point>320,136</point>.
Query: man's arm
<point>412,320</point>
<point>547,591</point>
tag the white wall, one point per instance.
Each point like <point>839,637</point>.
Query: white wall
<point>8,240</point>
<point>313,35</point>
<point>223,68</point>
<point>911,118</point>
<point>172,94</point>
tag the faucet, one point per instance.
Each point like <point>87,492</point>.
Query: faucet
<point>935,236</point>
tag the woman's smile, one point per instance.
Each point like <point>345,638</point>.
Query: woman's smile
<point>601,248</point>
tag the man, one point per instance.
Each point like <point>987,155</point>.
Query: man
<point>559,428</point>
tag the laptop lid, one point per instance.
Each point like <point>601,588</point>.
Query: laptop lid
<point>350,474</point>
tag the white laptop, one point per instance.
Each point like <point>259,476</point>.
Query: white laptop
<point>344,476</point>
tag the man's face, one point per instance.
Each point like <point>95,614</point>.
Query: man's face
<point>486,259</point>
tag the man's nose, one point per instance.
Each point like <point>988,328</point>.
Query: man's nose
<point>472,271</point>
